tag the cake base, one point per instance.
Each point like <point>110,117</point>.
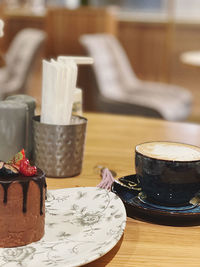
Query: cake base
<point>22,210</point>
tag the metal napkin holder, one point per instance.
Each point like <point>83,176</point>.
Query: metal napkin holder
<point>59,149</point>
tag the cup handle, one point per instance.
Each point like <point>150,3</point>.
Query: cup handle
<point>195,200</point>
<point>133,183</point>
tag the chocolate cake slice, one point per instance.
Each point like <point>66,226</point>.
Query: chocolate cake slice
<point>22,206</point>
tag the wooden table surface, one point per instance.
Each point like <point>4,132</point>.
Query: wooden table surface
<point>110,142</point>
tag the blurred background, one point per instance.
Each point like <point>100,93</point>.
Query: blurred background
<point>153,33</point>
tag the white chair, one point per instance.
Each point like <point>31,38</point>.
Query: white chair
<point>20,58</point>
<point>119,89</point>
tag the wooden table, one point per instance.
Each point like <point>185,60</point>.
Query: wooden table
<point>111,141</point>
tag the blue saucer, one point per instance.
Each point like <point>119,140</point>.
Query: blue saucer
<point>130,193</point>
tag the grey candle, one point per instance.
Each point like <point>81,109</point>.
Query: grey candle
<point>13,118</point>
<point>30,104</point>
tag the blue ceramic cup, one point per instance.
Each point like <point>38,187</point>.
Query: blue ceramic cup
<point>168,172</point>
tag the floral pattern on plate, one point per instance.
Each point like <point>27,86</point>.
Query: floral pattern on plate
<point>82,224</point>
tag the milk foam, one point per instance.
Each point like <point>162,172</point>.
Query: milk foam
<point>169,151</point>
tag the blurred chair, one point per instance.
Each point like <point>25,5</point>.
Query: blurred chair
<point>20,58</point>
<point>119,89</point>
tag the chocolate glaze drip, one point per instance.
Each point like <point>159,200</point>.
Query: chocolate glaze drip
<point>25,186</point>
<point>41,184</point>
<point>24,181</point>
<point>5,188</point>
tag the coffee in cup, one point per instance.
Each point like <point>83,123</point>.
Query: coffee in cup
<point>168,172</point>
